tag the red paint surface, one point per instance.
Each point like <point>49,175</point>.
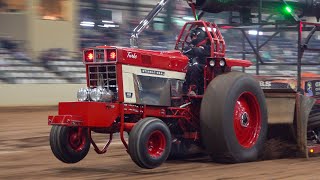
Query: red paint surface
<point>91,114</point>
<point>168,60</point>
<point>156,144</point>
<point>247,103</point>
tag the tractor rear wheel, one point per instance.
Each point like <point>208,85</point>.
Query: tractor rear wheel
<point>149,142</point>
<point>69,144</point>
<point>233,118</point>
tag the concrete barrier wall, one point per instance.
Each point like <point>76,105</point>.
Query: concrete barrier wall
<point>37,94</point>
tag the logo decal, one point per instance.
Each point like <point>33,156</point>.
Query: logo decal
<point>129,94</point>
<point>265,84</point>
<point>309,89</point>
<point>132,55</point>
<point>148,71</point>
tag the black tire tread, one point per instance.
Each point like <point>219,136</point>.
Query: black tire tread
<point>60,148</point>
<point>213,111</point>
<point>134,145</point>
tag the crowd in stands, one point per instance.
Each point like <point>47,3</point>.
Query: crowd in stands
<point>119,36</point>
<point>17,67</point>
<point>12,53</point>
<point>15,48</point>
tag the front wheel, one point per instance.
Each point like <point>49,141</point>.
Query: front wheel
<point>149,143</point>
<point>234,118</point>
<point>69,144</point>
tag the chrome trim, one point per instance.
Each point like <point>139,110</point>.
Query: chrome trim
<point>145,22</point>
<point>97,52</point>
<point>104,75</point>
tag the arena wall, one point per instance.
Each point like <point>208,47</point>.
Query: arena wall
<point>37,94</point>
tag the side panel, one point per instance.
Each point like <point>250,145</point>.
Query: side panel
<point>153,72</point>
<point>152,90</point>
<point>280,109</point>
<point>92,114</point>
<point>129,92</point>
<point>149,86</point>
<point>280,93</point>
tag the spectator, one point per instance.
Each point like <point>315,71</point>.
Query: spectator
<point>8,44</point>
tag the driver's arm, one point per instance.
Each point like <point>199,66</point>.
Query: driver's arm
<point>201,51</point>
<point>197,51</point>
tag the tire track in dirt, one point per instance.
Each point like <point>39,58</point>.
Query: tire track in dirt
<point>25,154</point>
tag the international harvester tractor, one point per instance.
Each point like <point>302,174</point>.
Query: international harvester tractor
<point>139,92</point>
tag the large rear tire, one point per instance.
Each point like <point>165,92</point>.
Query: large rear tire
<point>233,118</point>
<point>149,143</point>
<point>69,144</point>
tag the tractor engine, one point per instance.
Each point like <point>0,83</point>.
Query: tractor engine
<point>116,74</point>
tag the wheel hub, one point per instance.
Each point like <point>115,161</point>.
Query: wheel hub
<point>76,141</point>
<point>247,120</point>
<point>244,120</point>
<point>156,144</point>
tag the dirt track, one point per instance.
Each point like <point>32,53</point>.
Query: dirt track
<point>25,154</point>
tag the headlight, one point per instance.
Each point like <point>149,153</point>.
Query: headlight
<point>101,94</point>
<point>222,63</point>
<point>107,95</point>
<point>212,63</point>
<point>95,94</point>
<point>82,94</point>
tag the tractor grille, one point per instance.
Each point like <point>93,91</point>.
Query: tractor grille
<point>105,76</point>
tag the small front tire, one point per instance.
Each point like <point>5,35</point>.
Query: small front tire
<point>149,143</point>
<point>69,144</point>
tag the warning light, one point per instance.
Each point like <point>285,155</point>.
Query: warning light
<point>311,150</point>
<point>112,55</point>
<point>288,9</point>
<point>88,56</point>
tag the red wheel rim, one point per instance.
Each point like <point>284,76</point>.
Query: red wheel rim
<point>77,139</point>
<point>156,144</point>
<point>247,119</point>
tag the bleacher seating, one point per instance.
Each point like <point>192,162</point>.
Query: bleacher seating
<point>13,70</point>
<point>279,49</point>
<point>279,70</point>
<point>72,70</point>
<point>61,69</point>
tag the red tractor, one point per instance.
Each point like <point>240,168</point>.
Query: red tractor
<point>140,92</point>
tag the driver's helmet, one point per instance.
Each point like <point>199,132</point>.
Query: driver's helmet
<point>197,36</point>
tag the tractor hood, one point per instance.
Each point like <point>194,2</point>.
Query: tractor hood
<point>172,60</point>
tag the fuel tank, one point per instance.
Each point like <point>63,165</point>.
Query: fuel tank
<point>301,7</point>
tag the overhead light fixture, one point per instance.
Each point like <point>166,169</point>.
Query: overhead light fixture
<point>87,23</point>
<point>188,18</point>
<point>106,21</point>
<point>255,32</point>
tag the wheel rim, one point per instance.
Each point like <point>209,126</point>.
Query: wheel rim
<point>156,144</point>
<point>247,119</point>
<point>77,139</point>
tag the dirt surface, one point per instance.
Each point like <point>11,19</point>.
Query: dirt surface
<point>25,154</point>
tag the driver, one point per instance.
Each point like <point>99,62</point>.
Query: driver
<point>197,51</point>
